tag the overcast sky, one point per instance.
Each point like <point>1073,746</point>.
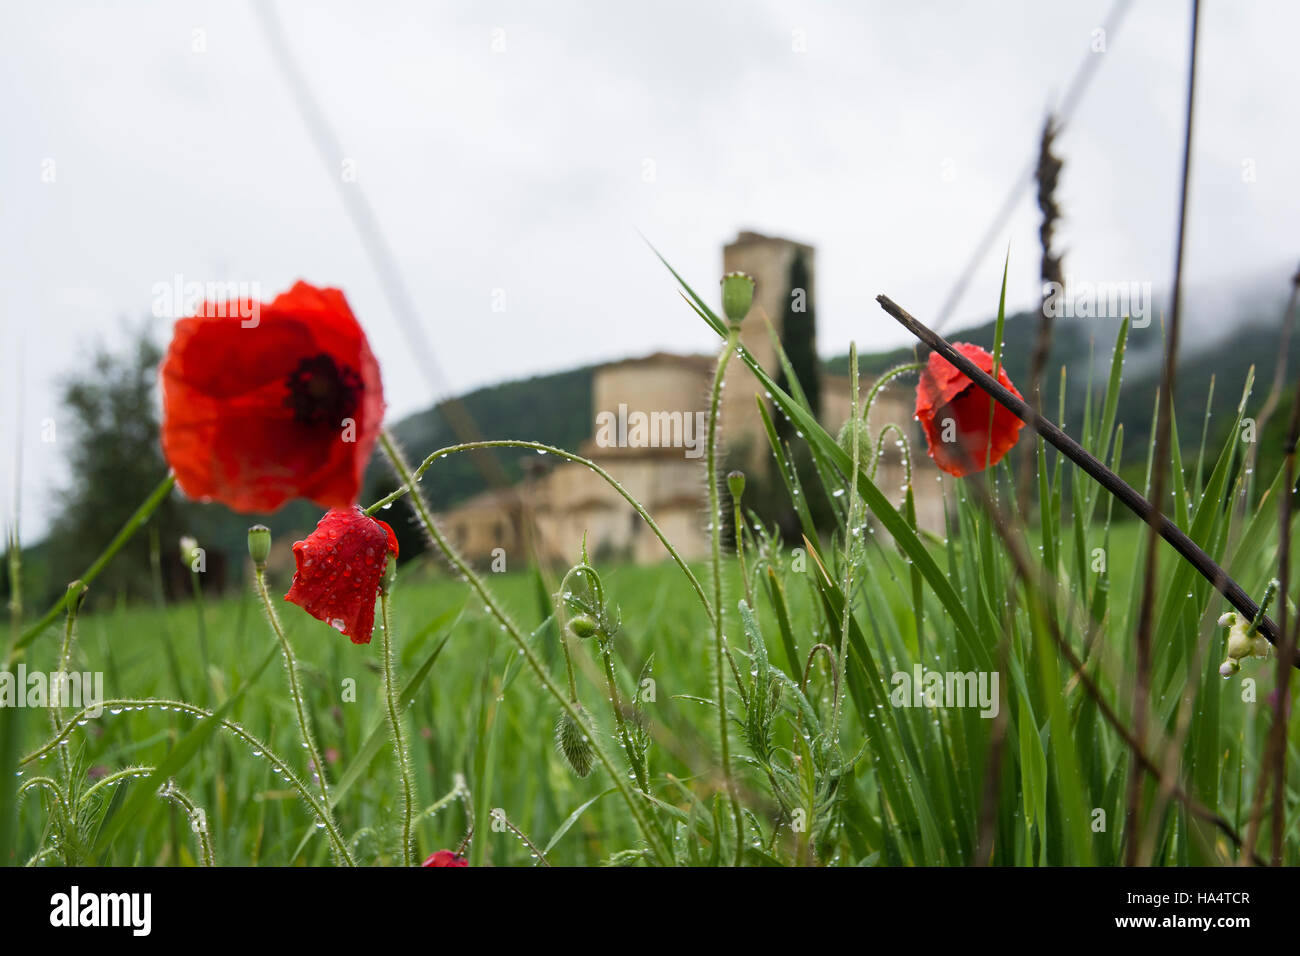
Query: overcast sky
<point>511,151</point>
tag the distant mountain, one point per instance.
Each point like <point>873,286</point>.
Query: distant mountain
<point>1219,341</point>
<point>552,409</point>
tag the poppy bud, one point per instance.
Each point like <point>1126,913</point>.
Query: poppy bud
<point>736,483</point>
<point>845,438</point>
<point>445,858</point>
<point>737,296</point>
<point>188,547</point>
<point>259,544</point>
<point>77,592</point>
<point>582,626</point>
<point>573,741</point>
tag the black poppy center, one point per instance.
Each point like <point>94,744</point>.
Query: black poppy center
<point>322,392</point>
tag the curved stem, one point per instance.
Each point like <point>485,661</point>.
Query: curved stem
<point>399,740</point>
<point>715,537</point>
<point>295,689</point>
<point>904,444</point>
<point>884,379</point>
<point>566,456</point>
<point>494,607</point>
<point>198,819</point>
<point>112,778</point>
<point>324,818</point>
<point>616,704</point>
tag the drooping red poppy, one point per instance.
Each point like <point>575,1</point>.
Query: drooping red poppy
<point>446,858</point>
<point>339,568</point>
<point>954,412</point>
<point>267,402</point>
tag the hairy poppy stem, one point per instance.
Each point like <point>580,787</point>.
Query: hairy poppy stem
<point>715,536</point>
<point>659,844</point>
<point>278,764</point>
<point>295,689</point>
<point>1206,566</point>
<point>399,738</point>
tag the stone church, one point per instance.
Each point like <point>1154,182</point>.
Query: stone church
<point>649,434</point>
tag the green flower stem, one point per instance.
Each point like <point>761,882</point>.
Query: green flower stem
<point>566,456</point>
<point>715,535</point>
<point>739,526</point>
<point>278,763</point>
<point>133,524</point>
<point>884,379</point>
<point>616,704</point>
<point>127,773</point>
<point>399,740</point>
<point>295,689</point>
<point>75,590</point>
<point>568,666</point>
<point>195,815</point>
<point>408,479</point>
<point>200,620</point>
<point>850,546</point>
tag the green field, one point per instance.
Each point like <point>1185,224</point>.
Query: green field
<point>476,718</point>
<point>1039,737</point>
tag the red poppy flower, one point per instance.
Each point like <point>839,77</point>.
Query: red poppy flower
<point>340,566</point>
<point>264,403</point>
<point>446,858</point>
<point>954,412</point>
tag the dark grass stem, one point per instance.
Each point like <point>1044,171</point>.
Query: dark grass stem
<point>1272,771</point>
<point>1206,566</point>
<point>1047,584</point>
<point>1047,174</point>
<point>1146,612</point>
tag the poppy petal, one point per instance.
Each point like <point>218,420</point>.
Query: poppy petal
<point>339,569</point>
<point>284,404</point>
<point>955,414</point>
